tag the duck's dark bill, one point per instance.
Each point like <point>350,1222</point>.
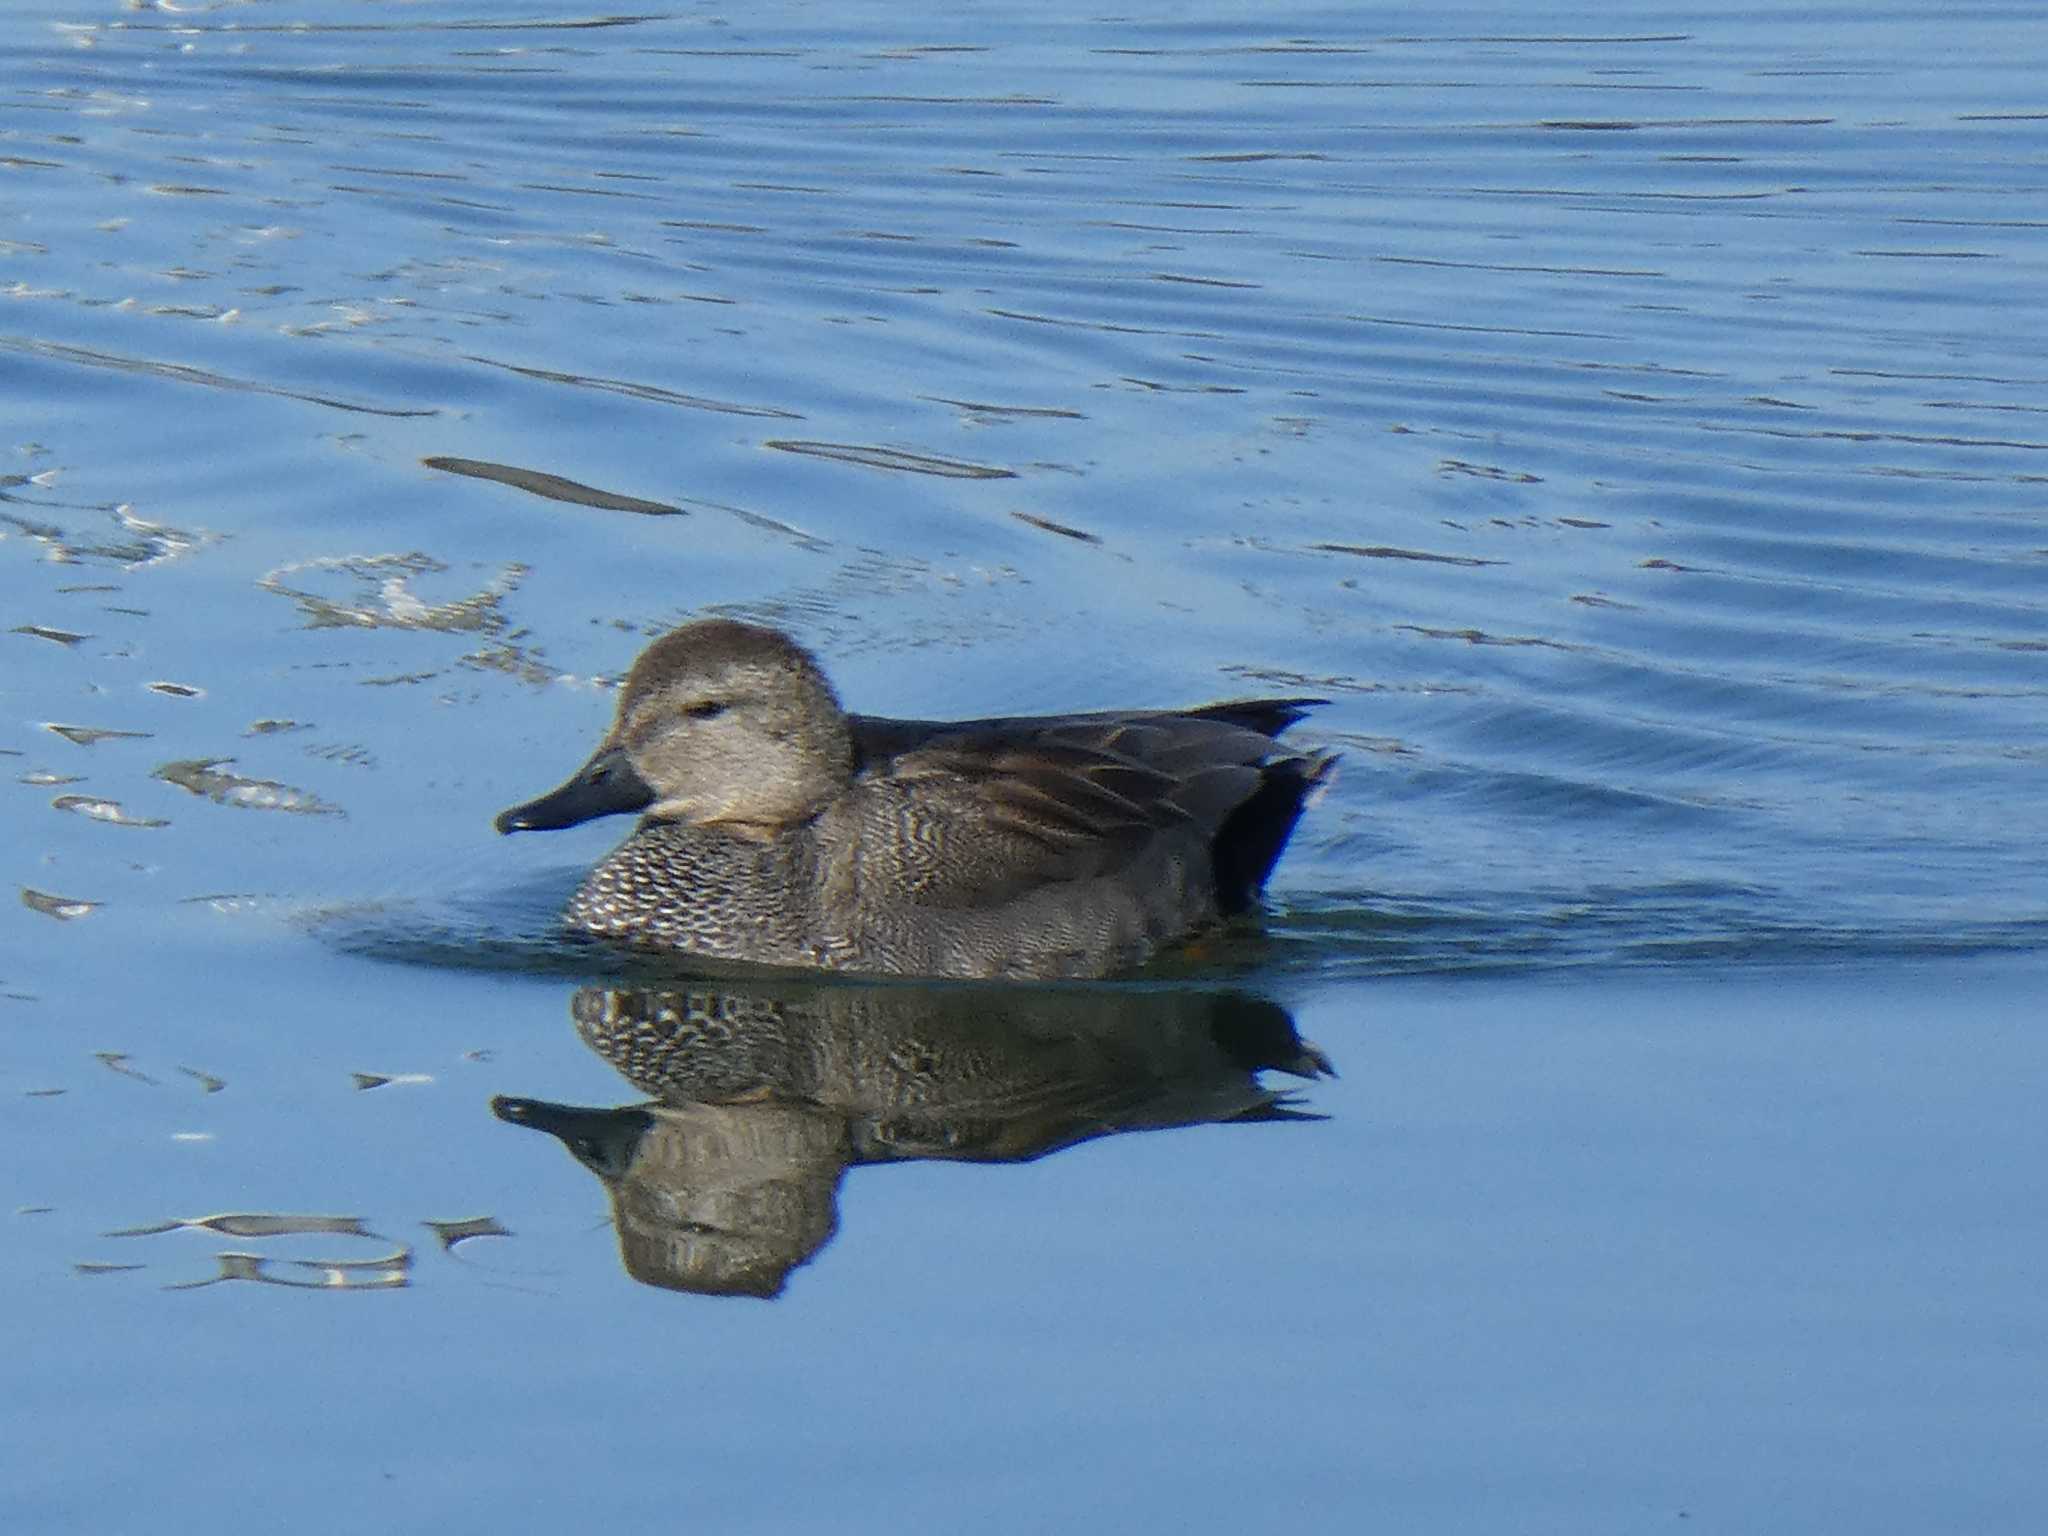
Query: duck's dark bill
<point>607,785</point>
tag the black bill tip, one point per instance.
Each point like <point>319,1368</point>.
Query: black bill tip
<point>607,785</point>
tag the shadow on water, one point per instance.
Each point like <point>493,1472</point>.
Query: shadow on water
<point>762,1095</point>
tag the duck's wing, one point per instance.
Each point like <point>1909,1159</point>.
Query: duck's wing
<point>990,809</point>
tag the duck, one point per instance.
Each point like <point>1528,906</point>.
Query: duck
<point>777,829</point>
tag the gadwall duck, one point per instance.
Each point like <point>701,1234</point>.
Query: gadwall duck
<point>778,829</point>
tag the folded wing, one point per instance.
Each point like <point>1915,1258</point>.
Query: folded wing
<point>1079,797</point>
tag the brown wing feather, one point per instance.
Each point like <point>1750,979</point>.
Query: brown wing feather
<point>1066,798</point>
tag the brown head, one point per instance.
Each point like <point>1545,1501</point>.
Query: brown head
<point>719,724</point>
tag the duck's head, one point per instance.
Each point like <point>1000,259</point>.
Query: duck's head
<point>719,724</point>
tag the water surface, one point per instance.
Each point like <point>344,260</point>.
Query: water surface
<point>1635,431</point>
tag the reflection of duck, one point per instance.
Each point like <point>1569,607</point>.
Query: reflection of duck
<point>763,1096</point>
<point>721,1199</point>
<point>781,830</point>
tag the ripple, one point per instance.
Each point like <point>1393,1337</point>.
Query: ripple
<point>45,632</point>
<point>64,908</point>
<point>893,459</point>
<point>384,596</point>
<point>551,487</point>
<point>204,777</point>
<point>92,735</point>
<point>108,811</point>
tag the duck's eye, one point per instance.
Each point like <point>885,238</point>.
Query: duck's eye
<point>704,709</point>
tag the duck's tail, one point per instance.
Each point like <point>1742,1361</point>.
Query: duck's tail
<point>1254,835</point>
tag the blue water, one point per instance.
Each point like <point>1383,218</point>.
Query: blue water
<point>1634,427</point>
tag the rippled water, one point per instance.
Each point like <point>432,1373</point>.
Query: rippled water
<point>1637,434</point>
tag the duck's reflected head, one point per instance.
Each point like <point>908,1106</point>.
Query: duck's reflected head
<point>718,1199</point>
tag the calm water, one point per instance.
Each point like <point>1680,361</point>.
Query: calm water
<point>1639,435</point>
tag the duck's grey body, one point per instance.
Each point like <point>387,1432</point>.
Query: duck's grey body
<point>783,832</point>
